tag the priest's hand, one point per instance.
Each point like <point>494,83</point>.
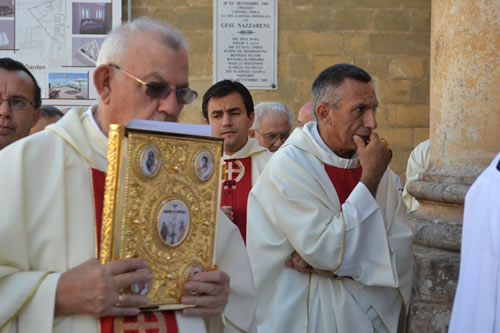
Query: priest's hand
<point>94,288</point>
<point>213,289</point>
<point>228,210</point>
<point>299,264</point>
<point>374,157</point>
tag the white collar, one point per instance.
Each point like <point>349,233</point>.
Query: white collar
<point>319,140</point>
<point>90,115</point>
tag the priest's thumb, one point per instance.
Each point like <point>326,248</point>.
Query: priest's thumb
<point>359,141</point>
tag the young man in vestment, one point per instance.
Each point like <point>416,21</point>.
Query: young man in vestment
<point>272,125</point>
<point>228,108</point>
<point>51,202</point>
<point>328,239</point>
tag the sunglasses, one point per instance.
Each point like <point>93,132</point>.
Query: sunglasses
<point>160,90</point>
<point>271,138</point>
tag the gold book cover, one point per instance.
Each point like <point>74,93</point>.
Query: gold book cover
<point>161,203</point>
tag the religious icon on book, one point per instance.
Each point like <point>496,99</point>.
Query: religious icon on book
<point>173,222</point>
<point>203,165</point>
<point>148,161</point>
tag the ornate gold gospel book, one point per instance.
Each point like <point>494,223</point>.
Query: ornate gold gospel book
<point>161,202</point>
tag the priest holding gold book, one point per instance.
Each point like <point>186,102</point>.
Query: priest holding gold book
<point>51,279</point>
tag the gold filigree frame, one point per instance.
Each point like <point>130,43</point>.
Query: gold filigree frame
<point>132,209</point>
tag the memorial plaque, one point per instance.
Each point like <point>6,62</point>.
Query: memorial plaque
<point>246,42</point>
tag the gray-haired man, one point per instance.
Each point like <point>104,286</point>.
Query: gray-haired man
<point>49,274</point>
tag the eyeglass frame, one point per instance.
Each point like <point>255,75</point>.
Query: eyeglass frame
<point>276,136</point>
<point>8,100</point>
<point>151,84</point>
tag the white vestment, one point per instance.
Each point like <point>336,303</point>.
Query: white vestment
<point>260,156</point>
<point>477,301</point>
<point>418,162</point>
<point>366,242</point>
<point>47,227</point>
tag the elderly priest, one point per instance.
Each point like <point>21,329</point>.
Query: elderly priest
<point>50,279</point>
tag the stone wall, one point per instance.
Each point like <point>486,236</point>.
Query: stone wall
<point>388,38</point>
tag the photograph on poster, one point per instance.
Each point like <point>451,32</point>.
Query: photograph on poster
<point>91,18</point>
<point>6,34</point>
<point>68,85</point>
<point>85,51</point>
<point>6,8</point>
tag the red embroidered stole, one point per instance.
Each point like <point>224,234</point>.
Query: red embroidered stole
<point>344,180</point>
<point>235,190</point>
<point>148,322</point>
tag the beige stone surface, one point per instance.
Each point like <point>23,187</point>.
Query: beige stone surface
<point>397,43</point>
<point>465,116</point>
<point>355,44</point>
<point>317,43</point>
<point>407,67</point>
<point>394,91</point>
<point>392,20</point>
<point>420,135</point>
<point>408,115</point>
<point>388,38</point>
<point>352,19</point>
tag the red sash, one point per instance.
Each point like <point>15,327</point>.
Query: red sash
<point>344,180</point>
<point>235,190</point>
<point>149,322</point>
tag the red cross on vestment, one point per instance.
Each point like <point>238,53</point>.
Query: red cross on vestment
<point>235,189</point>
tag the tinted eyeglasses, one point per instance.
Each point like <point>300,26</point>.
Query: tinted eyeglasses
<point>270,138</point>
<point>161,90</point>
<point>18,102</point>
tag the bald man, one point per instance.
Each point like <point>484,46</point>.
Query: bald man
<point>305,114</point>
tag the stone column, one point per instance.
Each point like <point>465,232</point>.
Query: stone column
<point>465,137</point>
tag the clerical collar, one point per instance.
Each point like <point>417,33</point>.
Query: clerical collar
<point>243,152</point>
<point>90,114</point>
<point>319,140</point>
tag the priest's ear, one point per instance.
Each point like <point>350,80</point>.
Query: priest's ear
<point>251,133</point>
<point>102,82</point>
<point>323,112</point>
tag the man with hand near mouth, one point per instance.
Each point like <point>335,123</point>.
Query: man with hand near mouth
<point>20,101</point>
<point>326,216</point>
<point>228,108</point>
